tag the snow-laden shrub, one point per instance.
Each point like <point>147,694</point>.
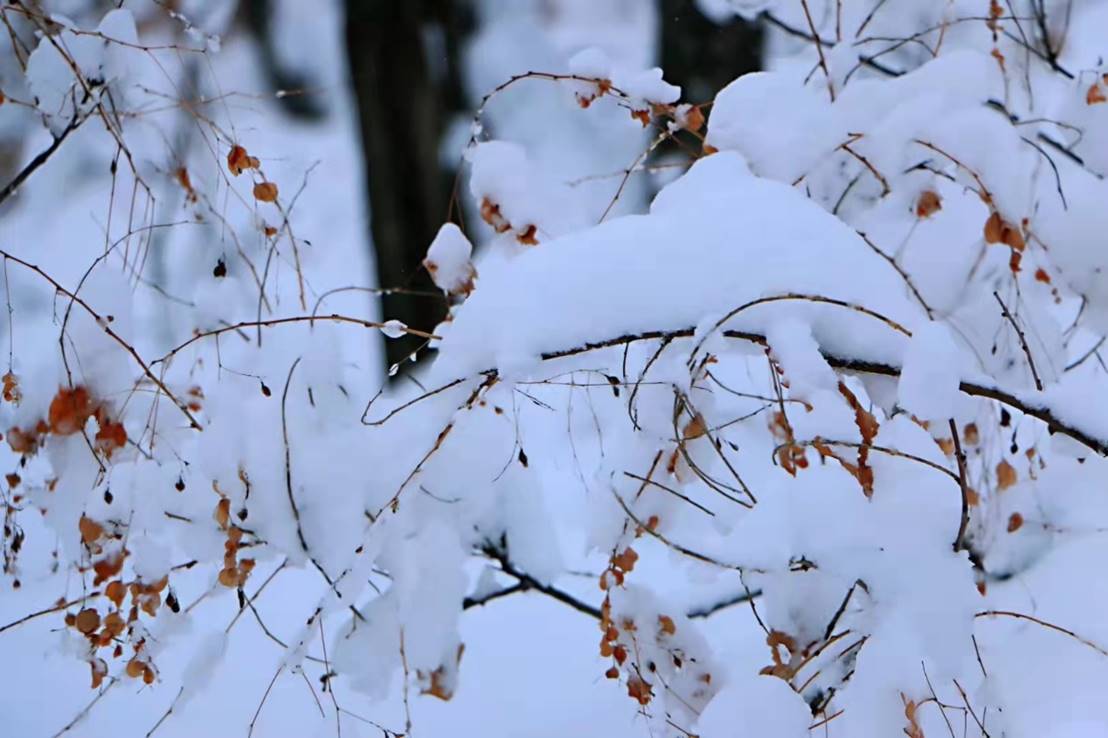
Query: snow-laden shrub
<point>842,376</point>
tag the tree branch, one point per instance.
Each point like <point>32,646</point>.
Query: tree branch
<point>1026,404</point>
<point>11,187</point>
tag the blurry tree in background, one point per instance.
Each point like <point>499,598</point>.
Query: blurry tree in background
<point>406,73</point>
<point>305,102</point>
<point>406,78</point>
<point>702,54</point>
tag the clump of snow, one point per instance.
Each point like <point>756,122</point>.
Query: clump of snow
<point>448,261</point>
<point>932,371</point>
<point>591,62</point>
<point>755,705</point>
<point>712,242</point>
<point>648,85</point>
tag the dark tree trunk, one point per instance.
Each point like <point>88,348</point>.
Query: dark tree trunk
<point>702,56</point>
<point>404,74</point>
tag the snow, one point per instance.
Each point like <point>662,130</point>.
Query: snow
<point>932,371</point>
<point>712,242</point>
<point>717,425</point>
<point>648,85</point>
<point>448,260</point>
<point>760,705</point>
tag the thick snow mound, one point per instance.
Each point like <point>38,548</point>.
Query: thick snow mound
<point>715,239</point>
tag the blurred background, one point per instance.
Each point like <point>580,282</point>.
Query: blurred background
<point>400,80</point>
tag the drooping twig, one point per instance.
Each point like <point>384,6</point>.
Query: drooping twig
<point>738,599</point>
<point>106,327</point>
<point>48,610</point>
<point>85,710</point>
<point>288,482</point>
<point>1045,624</point>
<point>265,695</point>
<point>1023,341</point>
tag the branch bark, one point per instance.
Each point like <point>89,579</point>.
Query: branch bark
<point>1022,402</point>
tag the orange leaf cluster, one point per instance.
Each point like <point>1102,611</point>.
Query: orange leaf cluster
<point>998,230</point>
<point>777,640</point>
<point>11,391</point>
<point>490,213</point>
<point>868,427</point>
<point>603,86</point>
<point>642,116</point>
<point>234,572</point>
<point>136,668</point>
<point>68,413</point>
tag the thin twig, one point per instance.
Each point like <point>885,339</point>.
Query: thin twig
<point>963,525</point>
<point>1023,341</point>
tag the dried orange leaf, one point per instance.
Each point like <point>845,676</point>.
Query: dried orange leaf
<point>88,620</point>
<point>265,192</point>
<point>994,228</point>
<point>11,391</point>
<point>238,161</point>
<point>222,513</point>
<point>99,671</point>
<point>527,237</point>
<point>229,577</point>
<point>90,529</point>
<point>70,410</point>
<point>695,428</point>
<point>115,592</point>
<point>626,560</point>
<point>928,204</point>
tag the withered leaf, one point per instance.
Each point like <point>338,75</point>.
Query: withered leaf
<point>928,204</point>
<point>88,620</point>
<point>265,192</point>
